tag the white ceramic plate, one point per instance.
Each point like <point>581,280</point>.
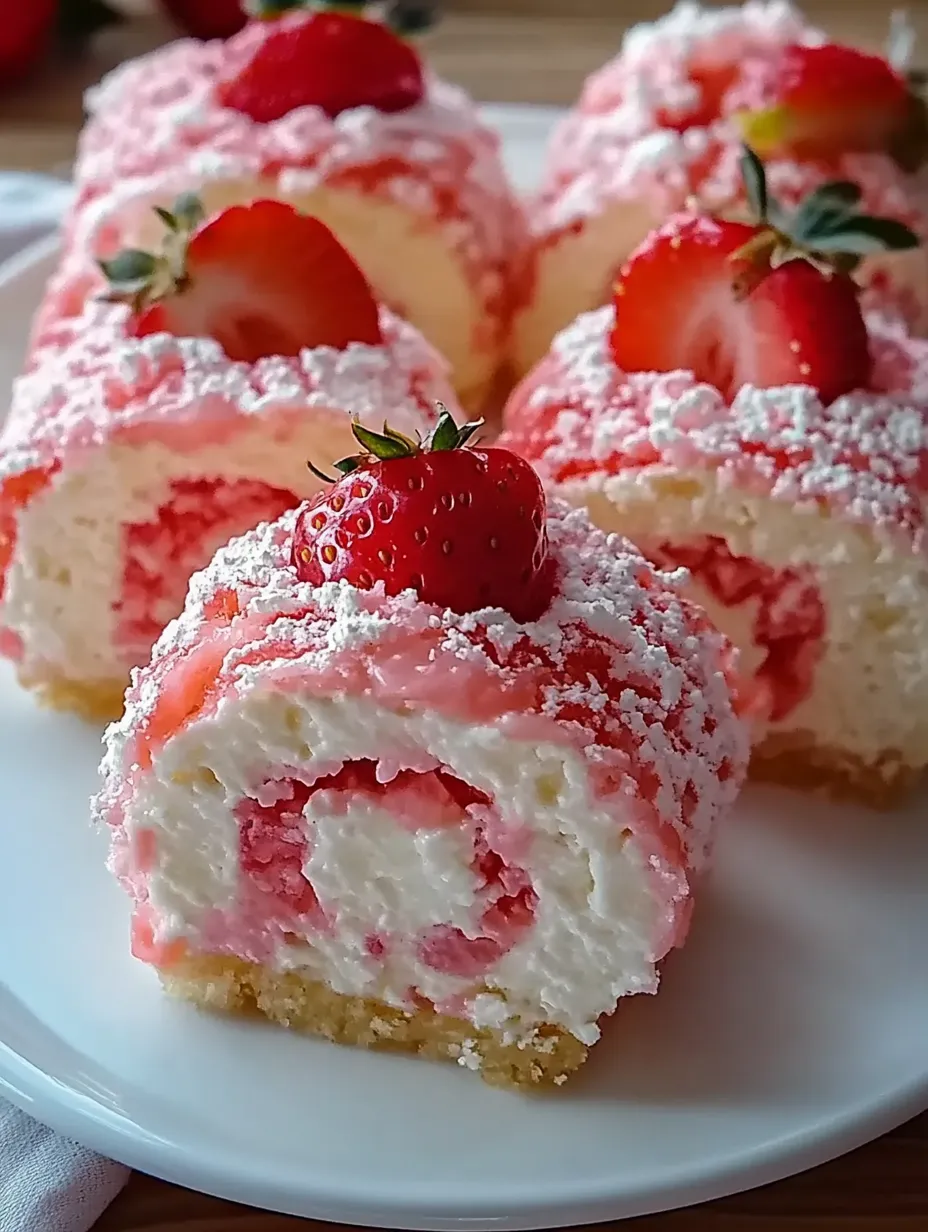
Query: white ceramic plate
<point>792,1028</point>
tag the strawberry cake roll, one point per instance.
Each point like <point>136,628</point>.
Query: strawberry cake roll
<point>735,413</point>
<point>335,113</point>
<point>424,766</point>
<point>661,125</point>
<point>145,433</point>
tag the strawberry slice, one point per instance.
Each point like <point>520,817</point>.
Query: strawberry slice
<point>333,60</point>
<point>822,102</point>
<point>261,279</point>
<point>754,304</point>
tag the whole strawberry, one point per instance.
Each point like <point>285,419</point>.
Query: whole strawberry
<point>337,57</point>
<point>465,528</point>
<point>766,304</point>
<point>261,279</point>
<point>26,31</point>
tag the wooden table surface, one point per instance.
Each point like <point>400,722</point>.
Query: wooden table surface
<point>512,52</point>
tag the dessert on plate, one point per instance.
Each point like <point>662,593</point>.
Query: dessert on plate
<point>662,124</point>
<point>425,765</point>
<point>147,431</point>
<point>336,113</point>
<point>734,412</point>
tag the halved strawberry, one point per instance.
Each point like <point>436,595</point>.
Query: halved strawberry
<point>261,279</point>
<point>822,102</point>
<point>335,60</point>
<point>766,304</point>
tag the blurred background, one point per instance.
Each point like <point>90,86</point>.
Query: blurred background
<point>534,51</point>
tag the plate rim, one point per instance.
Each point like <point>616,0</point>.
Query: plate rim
<point>77,1116</point>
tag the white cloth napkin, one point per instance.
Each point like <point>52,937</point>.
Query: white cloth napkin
<point>47,1183</point>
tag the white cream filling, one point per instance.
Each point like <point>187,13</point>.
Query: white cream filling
<point>405,255</point>
<point>68,567</point>
<point>597,921</point>
<point>870,692</point>
<point>413,879</point>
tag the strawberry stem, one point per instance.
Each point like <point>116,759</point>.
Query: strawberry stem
<point>267,10</point>
<point>404,17</point>
<point>141,278</point>
<point>389,444</point>
<point>409,17</point>
<point>827,229</point>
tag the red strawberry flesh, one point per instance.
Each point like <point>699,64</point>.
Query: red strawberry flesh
<point>334,61</point>
<point>677,308</point>
<point>265,280</point>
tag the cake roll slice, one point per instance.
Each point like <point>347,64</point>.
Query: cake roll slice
<point>339,115</point>
<point>736,414</point>
<point>425,766</point>
<point>144,434</point>
<point>661,125</point>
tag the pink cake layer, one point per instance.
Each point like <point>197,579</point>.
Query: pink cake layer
<point>125,463</point>
<point>156,125</point>
<point>620,670</point>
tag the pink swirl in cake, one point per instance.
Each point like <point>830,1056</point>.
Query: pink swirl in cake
<point>126,461</point>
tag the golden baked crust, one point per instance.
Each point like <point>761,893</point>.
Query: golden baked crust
<point>99,701</point>
<point>795,760</point>
<point>234,986</point>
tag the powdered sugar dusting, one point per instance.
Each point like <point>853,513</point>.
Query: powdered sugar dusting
<point>91,382</point>
<point>863,457</point>
<point>629,137</point>
<point>619,666</point>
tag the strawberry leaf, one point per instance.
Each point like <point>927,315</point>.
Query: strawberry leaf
<point>321,474</point>
<point>379,446</point>
<point>166,217</point>
<point>188,211</point>
<point>860,236</point>
<point>345,466</point>
<point>355,8</point>
<point>465,433</point>
<point>755,182</point>
<point>410,445</point>
<point>129,267</point>
<point>446,434</point>
<point>266,9</point>
<point>824,210</point>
